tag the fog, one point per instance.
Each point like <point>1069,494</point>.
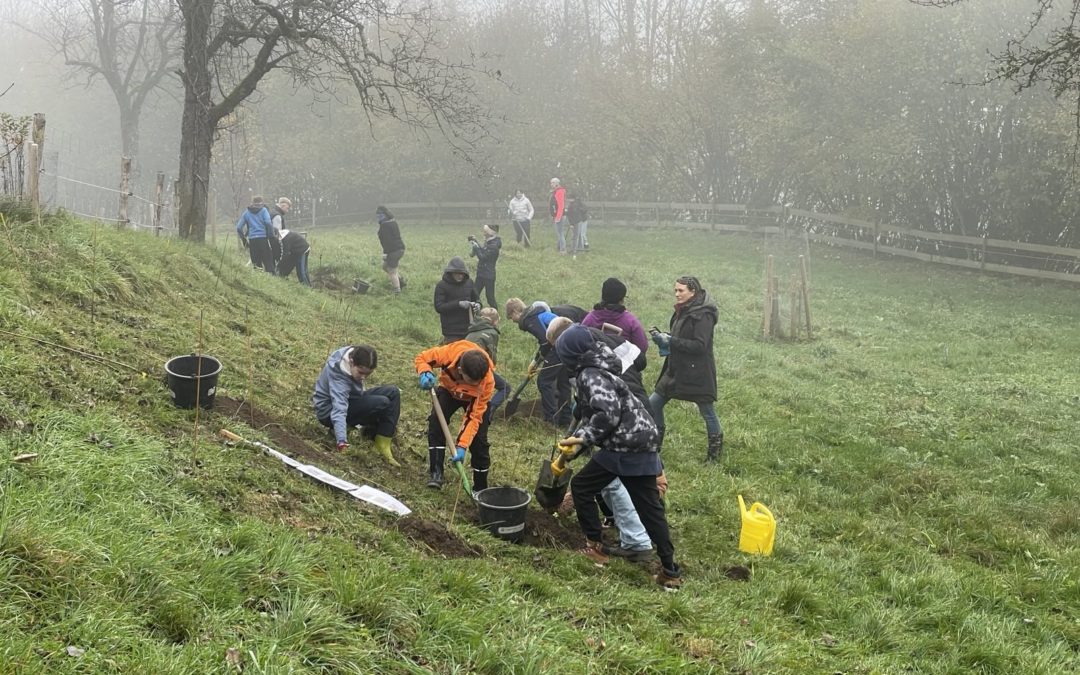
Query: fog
<point>864,108</point>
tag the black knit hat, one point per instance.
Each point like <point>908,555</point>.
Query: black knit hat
<point>613,291</point>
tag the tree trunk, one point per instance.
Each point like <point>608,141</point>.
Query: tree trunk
<point>197,127</point>
<point>129,135</point>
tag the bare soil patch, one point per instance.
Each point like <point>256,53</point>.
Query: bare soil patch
<point>436,537</point>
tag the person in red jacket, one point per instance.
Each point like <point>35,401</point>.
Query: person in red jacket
<point>557,206</point>
<point>467,381</point>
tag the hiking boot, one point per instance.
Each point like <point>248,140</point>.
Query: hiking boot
<point>629,555</point>
<point>593,551</point>
<point>669,580</point>
<point>716,447</point>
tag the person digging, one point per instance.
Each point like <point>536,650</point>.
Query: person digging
<point>625,443</point>
<point>466,382</point>
<point>341,399</point>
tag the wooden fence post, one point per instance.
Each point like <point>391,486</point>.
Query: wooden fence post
<point>793,314</point>
<point>877,232</point>
<point>125,178</point>
<point>38,136</point>
<point>159,188</point>
<point>32,182</point>
<point>805,297</point>
<point>766,329</point>
<point>982,263</point>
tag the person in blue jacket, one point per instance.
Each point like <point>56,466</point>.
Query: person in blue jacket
<point>341,399</point>
<point>254,229</point>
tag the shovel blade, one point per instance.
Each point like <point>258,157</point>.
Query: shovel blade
<point>511,407</point>
<point>551,489</point>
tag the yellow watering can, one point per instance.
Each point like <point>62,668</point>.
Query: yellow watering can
<point>758,528</point>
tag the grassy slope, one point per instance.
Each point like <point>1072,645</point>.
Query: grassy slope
<point>918,454</point>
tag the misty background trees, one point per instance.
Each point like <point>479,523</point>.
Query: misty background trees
<point>877,110</point>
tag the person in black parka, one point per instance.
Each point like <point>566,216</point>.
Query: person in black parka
<point>456,300</point>
<point>487,254</point>
<point>689,370</point>
<point>393,247</point>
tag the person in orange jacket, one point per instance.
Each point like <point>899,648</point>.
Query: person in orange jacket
<point>467,381</point>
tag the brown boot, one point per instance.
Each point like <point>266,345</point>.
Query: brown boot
<point>669,580</point>
<point>594,551</point>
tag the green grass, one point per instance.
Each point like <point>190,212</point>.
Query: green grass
<point>919,454</point>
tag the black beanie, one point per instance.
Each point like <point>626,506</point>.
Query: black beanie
<point>613,292</point>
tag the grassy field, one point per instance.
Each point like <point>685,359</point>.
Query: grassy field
<point>919,454</point>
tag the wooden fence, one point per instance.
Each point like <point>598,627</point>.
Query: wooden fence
<point>979,253</point>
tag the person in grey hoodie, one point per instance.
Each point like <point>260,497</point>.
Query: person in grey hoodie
<point>341,399</point>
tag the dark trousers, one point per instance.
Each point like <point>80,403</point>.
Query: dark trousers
<point>502,392</point>
<point>378,407</point>
<point>554,385</point>
<point>488,287</point>
<point>523,227</point>
<point>585,487</point>
<point>299,261</point>
<point>479,451</point>
<point>275,249</point>
<point>261,254</point>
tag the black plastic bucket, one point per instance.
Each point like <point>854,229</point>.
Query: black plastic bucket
<point>502,511</point>
<point>183,372</point>
<point>361,286</point>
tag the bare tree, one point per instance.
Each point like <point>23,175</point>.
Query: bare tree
<point>130,44</point>
<point>388,53</point>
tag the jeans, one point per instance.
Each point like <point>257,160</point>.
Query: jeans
<point>502,391</point>
<point>707,411</point>
<point>377,407</point>
<point>580,241</point>
<point>560,234</point>
<point>643,493</point>
<point>299,261</point>
<point>632,534</point>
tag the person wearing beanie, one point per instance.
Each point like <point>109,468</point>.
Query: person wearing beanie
<point>612,311</point>
<point>254,228</point>
<point>341,399</point>
<point>624,441</point>
<point>487,254</point>
<point>393,247</point>
<point>456,300</point>
<point>689,370</point>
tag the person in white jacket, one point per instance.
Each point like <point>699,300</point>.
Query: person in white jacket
<point>521,213</point>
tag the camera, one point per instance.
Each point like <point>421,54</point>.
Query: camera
<point>654,331</point>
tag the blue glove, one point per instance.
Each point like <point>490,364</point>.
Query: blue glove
<point>663,343</point>
<point>459,455</point>
<point>427,380</point>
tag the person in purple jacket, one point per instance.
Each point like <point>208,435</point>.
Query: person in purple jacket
<point>611,310</point>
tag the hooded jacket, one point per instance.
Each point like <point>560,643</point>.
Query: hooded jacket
<point>612,419</point>
<point>333,389</point>
<point>487,254</point>
<point>617,315</point>
<point>477,395</point>
<point>448,294</point>
<point>390,235</point>
<point>293,243</point>
<point>689,373</point>
<point>254,222</point>
<point>485,334</point>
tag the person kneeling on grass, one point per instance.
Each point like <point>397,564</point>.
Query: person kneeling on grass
<point>625,443</point>
<point>341,400</point>
<point>466,381</point>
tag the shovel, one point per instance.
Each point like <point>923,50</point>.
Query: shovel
<point>515,399</point>
<point>460,466</point>
<point>555,476</point>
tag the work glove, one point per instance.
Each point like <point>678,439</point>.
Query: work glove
<point>342,446</point>
<point>427,380</point>
<point>571,441</point>
<point>534,368</point>
<point>459,455</point>
<point>475,306</point>
<point>464,304</point>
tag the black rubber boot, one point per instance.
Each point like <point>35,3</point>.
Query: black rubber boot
<point>716,447</point>
<point>479,480</point>
<point>436,458</point>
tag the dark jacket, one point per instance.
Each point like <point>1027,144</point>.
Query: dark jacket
<point>449,294</point>
<point>390,236</point>
<point>487,254</point>
<point>689,373</point>
<point>537,317</point>
<point>484,333</point>
<point>576,211</point>
<point>293,244</point>
<point>613,420</point>
<point>632,374</point>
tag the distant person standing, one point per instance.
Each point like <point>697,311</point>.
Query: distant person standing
<point>557,206</point>
<point>393,247</point>
<point>294,254</point>
<point>456,300</point>
<point>277,224</point>
<point>521,214</point>
<point>254,228</point>
<point>487,254</point>
<point>577,214</point>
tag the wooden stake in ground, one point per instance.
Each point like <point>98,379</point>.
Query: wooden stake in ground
<point>198,390</point>
<point>805,297</point>
<point>775,307</point>
<point>159,189</point>
<point>125,186</point>
<point>32,179</point>
<point>766,329</point>
<point>793,312</point>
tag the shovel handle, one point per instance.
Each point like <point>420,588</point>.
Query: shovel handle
<point>442,419</point>
<point>225,433</point>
